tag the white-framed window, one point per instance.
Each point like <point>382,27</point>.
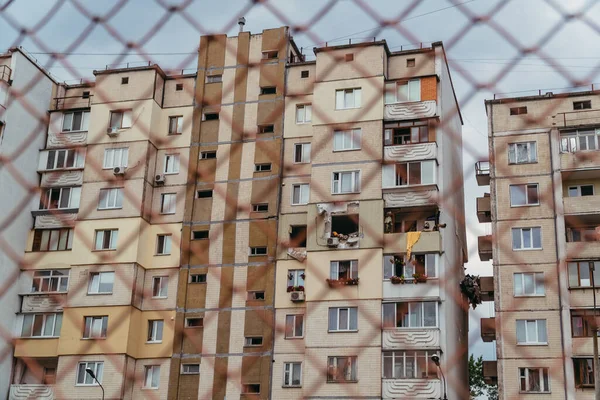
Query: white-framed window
<point>253,341</point>
<point>531,331</point>
<point>524,195</point>
<point>292,374</point>
<point>301,153</point>
<point>116,157</point>
<point>303,113</point>
<point>300,193</point>
<point>110,199</point>
<point>121,119</point>
<point>258,251</point>
<point>76,121</point>
<point>160,286</point>
<point>522,153</point>
<point>408,174</point>
<point>584,372</point>
<point>151,376</point>
<point>106,239</point>
<point>581,190</point>
<point>582,105</point>
<point>406,135</point>
<point>95,327</point>
<point>61,159</point>
<point>264,167</point>
<point>343,319</point>
<point>171,164</point>
<point>52,239</point>
<point>342,369</point>
<point>415,364</point>
<point>214,78</point>
<point>518,110</point>
<point>422,314</point>
<point>48,281</point>
<point>101,282</point>
<point>83,378</point>
<point>176,125</point>
<point>41,325</point>
<point>422,264</point>
<point>190,369</point>
<point>579,140</point>
<point>260,207</point>
<point>163,244</point>
<point>294,326</point>
<point>534,380</point>
<point>155,331</point>
<point>60,198</point>
<point>402,91</point>
<point>346,269</point>
<point>529,284</point>
<point>345,182</point>
<point>347,139</point>
<point>167,203</point>
<point>295,278</point>
<point>348,98</point>
<point>584,273</point>
<point>527,238</point>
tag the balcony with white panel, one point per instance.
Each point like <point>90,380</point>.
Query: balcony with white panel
<point>410,339</point>
<point>411,388</point>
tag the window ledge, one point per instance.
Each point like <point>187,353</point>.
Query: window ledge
<point>109,208</point>
<point>86,385</point>
<point>524,205</point>
<point>38,337</point>
<point>525,392</point>
<point>100,294</point>
<point>102,250</point>
<point>356,381</point>
<point>291,386</point>
<point>42,293</point>
<point>93,338</point>
<point>350,331</point>
<point>159,297</point>
<point>532,344</point>
<point>154,342</point>
<point>171,173</point>
<point>534,249</point>
<point>530,295</point>
<point>162,255</point>
<point>149,388</point>
<point>47,251</point>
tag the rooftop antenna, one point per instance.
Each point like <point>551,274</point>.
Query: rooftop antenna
<point>241,23</point>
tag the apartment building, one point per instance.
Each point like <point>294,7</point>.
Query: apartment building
<point>543,210</point>
<point>371,230</point>
<point>99,275</point>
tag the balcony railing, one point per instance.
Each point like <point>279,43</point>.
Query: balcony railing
<point>71,102</point>
<point>488,329</point>
<point>5,73</point>
<point>484,209</point>
<point>403,338</point>
<point>38,392</point>
<point>411,389</point>
<point>482,173</point>
<point>410,110</point>
<point>486,287</point>
<point>490,372</point>
<point>484,244</point>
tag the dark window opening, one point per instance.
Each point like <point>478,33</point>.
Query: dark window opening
<point>410,62</point>
<point>258,251</point>
<point>266,128</point>
<point>270,55</point>
<point>417,220</point>
<point>303,74</point>
<point>203,194</point>
<point>518,110</point>
<point>344,224</point>
<point>256,295</point>
<point>251,388</point>
<point>198,235</point>
<point>268,90</point>
<point>198,278</point>
<point>582,105</point>
<point>195,322</point>
<point>85,95</point>
<point>260,207</point>
<point>211,116</point>
<point>124,81</point>
<point>179,86</point>
<point>208,155</point>
<point>298,236</point>
<point>262,167</point>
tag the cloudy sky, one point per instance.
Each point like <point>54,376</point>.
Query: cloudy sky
<point>486,54</point>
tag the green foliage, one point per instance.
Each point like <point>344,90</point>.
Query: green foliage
<point>476,383</point>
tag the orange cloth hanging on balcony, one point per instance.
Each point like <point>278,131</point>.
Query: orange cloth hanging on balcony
<point>411,239</point>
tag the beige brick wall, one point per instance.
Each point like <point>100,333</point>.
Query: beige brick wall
<point>139,392</point>
<point>506,328</point>
<point>284,346</point>
<point>368,61</point>
<point>504,237</point>
<point>109,88</point>
<point>424,65</point>
<point>136,162</point>
<point>280,392</point>
<point>506,284</point>
<point>511,377</point>
<point>122,289</point>
<point>298,85</point>
<point>545,209</point>
<point>371,143</point>
<point>176,98</point>
<point>286,195</point>
<point>503,168</point>
<point>291,128</point>
<point>150,303</point>
<point>292,168</point>
<point>370,182</point>
<point>157,217</point>
<point>112,377</point>
<point>132,199</point>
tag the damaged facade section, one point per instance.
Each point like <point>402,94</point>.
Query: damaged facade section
<point>338,225</point>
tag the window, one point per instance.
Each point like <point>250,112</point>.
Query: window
<point>403,91</point>
<point>60,198</point>
<point>527,238</point>
<point>297,236</point>
<point>343,319</point>
<point>268,90</point>
<point>529,284</point>
<point>253,341</point>
<point>304,74</point>
<point>115,158</point>
<point>214,78</point>
<point>345,182</point>
<point>155,330</point>
<point>269,55</point>
<point>106,239</point>
<point>110,199</point>
<point>124,80</point>
<point>262,167</point>
<point>76,121</point>
<point>582,323</point>
<point>167,203</point>
<point>518,110</point>
<point>85,95</point>
<point>160,286</point>
<point>524,195</point>
<point>409,365</point>
<point>251,388</point>
<point>343,270</point>
<point>348,98</point>
<point>410,315</point>
<point>341,369</point>
<point>302,153</point>
<point>531,331</point>
<point>581,275</point>
<point>171,164</point>
<point>208,155</point>
<point>408,135</point>
<point>50,281</point>
<point>584,371</point>
<point>41,325</point>
<point>194,322</point>
<point>95,327</point>
<point>151,376</point>
<point>295,278</point>
<point>579,140</point>
<point>52,239</point>
<point>349,57</point>
<point>210,116</point>
<point>345,224</point>
<point>190,369</point>
<point>581,190</point>
<point>163,244</point>
<point>261,207</point>
<point>204,194</point>
<point>269,128</point>
<point>300,194</point>
<point>178,87</point>
<point>522,153</point>
<point>200,235</point>
<point>101,282</point>
<point>347,140</point>
<point>408,174</point>
<point>582,234</point>
<point>398,265</point>
<point>582,105</point>
<point>176,125</point>
<point>83,378</point>
<point>534,380</point>
<point>410,63</point>
<point>256,295</point>
<point>61,159</point>
<point>198,278</point>
<point>258,251</point>
<point>121,119</point>
<point>292,374</point>
<point>303,113</point>
<point>294,326</point>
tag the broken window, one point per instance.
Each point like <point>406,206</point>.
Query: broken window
<point>344,224</point>
<point>298,236</point>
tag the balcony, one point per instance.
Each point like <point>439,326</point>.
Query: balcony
<point>26,392</point>
<point>490,372</point>
<point>428,242</point>
<point>71,102</point>
<point>411,389</point>
<point>58,140</point>
<point>5,73</point>
<point>55,220</point>
<point>484,244</point>
<point>581,205</point>
<point>410,152</point>
<point>62,178</point>
<point>410,110</point>
<point>411,196</point>
<point>482,173</point>
<point>488,329</point>
<point>410,290</point>
<point>36,347</point>
<point>421,338</point>
<point>486,287</point>
<point>43,302</point>
<point>484,208</point>
<point>583,250</point>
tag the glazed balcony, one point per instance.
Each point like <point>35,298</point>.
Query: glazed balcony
<point>409,339</point>
<point>488,329</point>
<point>490,372</point>
<point>71,102</point>
<point>411,389</point>
<point>484,208</point>
<point>486,287</point>
<point>484,244</point>
<point>482,173</point>
<point>410,152</point>
<point>25,392</point>
<point>410,110</point>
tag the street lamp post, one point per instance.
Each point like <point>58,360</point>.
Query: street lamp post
<point>91,373</point>
<point>436,360</point>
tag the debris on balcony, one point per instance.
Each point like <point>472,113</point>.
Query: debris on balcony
<point>470,288</point>
<point>342,282</point>
<point>398,220</point>
<point>341,226</point>
<point>299,253</point>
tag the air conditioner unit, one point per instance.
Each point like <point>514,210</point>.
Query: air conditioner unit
<point>112,131</point>
<point>428,226</point>
<point>333,242</point>
<point>119,170</point>
<point>297,296</point>
<point>159,179</point>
